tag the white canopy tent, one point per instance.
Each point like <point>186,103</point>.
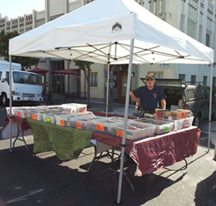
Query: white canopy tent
<point>113,32</point>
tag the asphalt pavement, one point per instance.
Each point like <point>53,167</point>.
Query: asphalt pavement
<point>42,179</point>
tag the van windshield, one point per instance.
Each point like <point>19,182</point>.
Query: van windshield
<point>27,78</point>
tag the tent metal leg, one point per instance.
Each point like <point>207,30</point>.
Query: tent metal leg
<point>101,155</point>
<point>112,161</point>
<point>131,185</point>
<point>111,168</point>
<point>180,169</point>
<point>21,139</point>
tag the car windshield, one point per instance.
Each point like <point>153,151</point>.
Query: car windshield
<point>27,78</point>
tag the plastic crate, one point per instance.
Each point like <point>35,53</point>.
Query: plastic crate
<point>135,130</point>
<point>14,109</point>
<point>48,118</point>
<point>35,115</point>
<point>162,126</point>
<point>81,114</point>
<point>178,124</point>
<point>64,119</point>
<point>187,122</point>
<point>106,124</point>
<point>79,107</point>
<point>54,109</point>
<point>69,108</point>
<point>21,112</point>
<point>84,122</point>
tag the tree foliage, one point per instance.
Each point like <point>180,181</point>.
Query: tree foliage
<point>26,62</point>
<point>86,68</point>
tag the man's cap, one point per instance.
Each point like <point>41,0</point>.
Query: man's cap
<point>149,76</point>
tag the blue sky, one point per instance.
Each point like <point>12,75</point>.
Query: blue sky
<point>15,8</point>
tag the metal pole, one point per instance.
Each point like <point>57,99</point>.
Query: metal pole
<point>10,82</point>
<point>107,94</point>
<point>107,89</point>
<point>210,107</point>
<point>125,123</point>
<point>49,99</point>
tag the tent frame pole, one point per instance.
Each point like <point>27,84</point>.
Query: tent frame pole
<point>125,122</point>
<point>107,89</point>
<point>10,102</point>
<point>210,107</point>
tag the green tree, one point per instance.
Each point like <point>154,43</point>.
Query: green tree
<point>26,62</point>
<point>85,67</point>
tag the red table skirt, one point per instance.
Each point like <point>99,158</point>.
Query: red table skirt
<point>158,151</point>
<point>16,119</point>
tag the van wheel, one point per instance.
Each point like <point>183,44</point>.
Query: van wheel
<point>4,100</point>
<point>196,121</point>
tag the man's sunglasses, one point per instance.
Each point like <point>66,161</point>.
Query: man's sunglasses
<point>149,79</point>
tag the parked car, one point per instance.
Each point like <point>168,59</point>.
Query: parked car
<point>193,97</point>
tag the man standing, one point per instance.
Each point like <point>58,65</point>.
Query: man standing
<point>149,96</point>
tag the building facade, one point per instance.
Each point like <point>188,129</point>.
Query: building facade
<point>196,18</point>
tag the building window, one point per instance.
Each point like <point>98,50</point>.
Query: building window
<point>207,39</point>
<point>157,75</point>
<point>57,65</point>
<point>193,79</point>
<point>182,77</point>
<point>200,33</point>
<point>93,79</point>
<point>204,80</point>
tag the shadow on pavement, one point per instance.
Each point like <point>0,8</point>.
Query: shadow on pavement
<point>205,194</point>
<point>47,182</point>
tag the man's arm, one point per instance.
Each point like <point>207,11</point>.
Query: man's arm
<point>163,104</point>
<point>134,98</point>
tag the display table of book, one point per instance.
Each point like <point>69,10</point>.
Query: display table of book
<point>66,142</point>
<point>152,153</point>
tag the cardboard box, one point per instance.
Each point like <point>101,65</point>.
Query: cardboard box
<point>177,115</point>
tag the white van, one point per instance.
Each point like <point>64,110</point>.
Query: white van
<point>26,86</point>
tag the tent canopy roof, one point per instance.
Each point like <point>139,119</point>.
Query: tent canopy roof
<point>104,27</point>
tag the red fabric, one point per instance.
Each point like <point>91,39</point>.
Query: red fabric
<point>152,153</point>
<point>20,120</point>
